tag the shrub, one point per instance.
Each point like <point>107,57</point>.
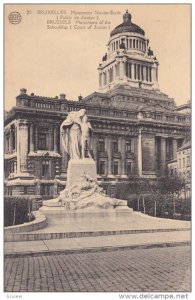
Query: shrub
<point>17,210</point>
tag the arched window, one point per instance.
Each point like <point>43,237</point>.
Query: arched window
<point>133,43</point>
<point>137,44</point>
<point>116,45</point>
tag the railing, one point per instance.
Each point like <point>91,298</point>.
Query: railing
<point>55,104</point>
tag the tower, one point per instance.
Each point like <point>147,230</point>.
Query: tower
<point>129,59</point>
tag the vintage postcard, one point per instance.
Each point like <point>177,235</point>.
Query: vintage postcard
<point>97,149</point>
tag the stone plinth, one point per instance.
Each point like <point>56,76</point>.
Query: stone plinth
<point>77,167</point>
<point>82,193</point>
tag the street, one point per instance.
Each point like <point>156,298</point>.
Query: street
<point>138,270</point>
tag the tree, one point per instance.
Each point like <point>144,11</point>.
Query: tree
<point>172,185</point>
<point>138,187</point>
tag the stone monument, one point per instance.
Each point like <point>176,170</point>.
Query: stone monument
<point>82,192</point>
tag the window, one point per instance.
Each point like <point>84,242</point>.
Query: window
<point>169,149</point>
<point>129,168</point>
<point>150,74</point>
<point>130,43</point>
<point>115,168</point>
<point>138,72</point>
<point>45,168</point>
<point>128,147</point>
<point>115,146</point>
<point>102,168</point>
<point>146,73</point>
<point>101,145</point>
<point>142,73</point>
<point>42,138</point>
<point>45,190</point>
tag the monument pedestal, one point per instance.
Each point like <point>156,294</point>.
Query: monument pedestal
<point>82,194</point>
<point>77,167</point>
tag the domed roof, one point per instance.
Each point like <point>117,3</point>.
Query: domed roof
<point>127,26</point>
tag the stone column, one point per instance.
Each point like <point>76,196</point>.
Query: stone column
<point>139,146</point>
<point>133,71</point>
<point>32,138</point>
<point>122,145</point>
<point>100,79</point>
<point>163,154</point>
<point>94,147</point>
<point>124,68</point>
<point>18,147</point>
<point>55,138</point>
<point>23,145</point>
<point>10,141</point>
<point>109,152</point>
<point>64,158</point>
<point>15,138</point>
<point>51,138</point>
<point>121,70</point>
<point>135,164</point>
<point>174,148</point>
<point>144,71</point>
<point>36,138</point>
<point>6,142</point>
<point>153,74</point>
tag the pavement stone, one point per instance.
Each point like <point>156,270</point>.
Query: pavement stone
<point>139,270</point>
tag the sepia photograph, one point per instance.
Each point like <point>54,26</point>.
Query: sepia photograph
<point>97,149</point>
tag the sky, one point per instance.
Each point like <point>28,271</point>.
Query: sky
<point>48,62</point>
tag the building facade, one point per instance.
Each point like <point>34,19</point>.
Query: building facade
<point>182,166</point>
<point>137,128</point>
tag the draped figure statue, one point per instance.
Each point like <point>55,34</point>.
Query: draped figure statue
<point>76,133</point>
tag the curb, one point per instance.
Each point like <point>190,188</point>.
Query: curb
<point>97,249</point>
<point>61,235</point>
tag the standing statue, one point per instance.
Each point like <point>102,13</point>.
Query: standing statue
<point>76,133</point>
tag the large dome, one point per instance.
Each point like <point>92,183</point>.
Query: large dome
<point>127,26</point>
